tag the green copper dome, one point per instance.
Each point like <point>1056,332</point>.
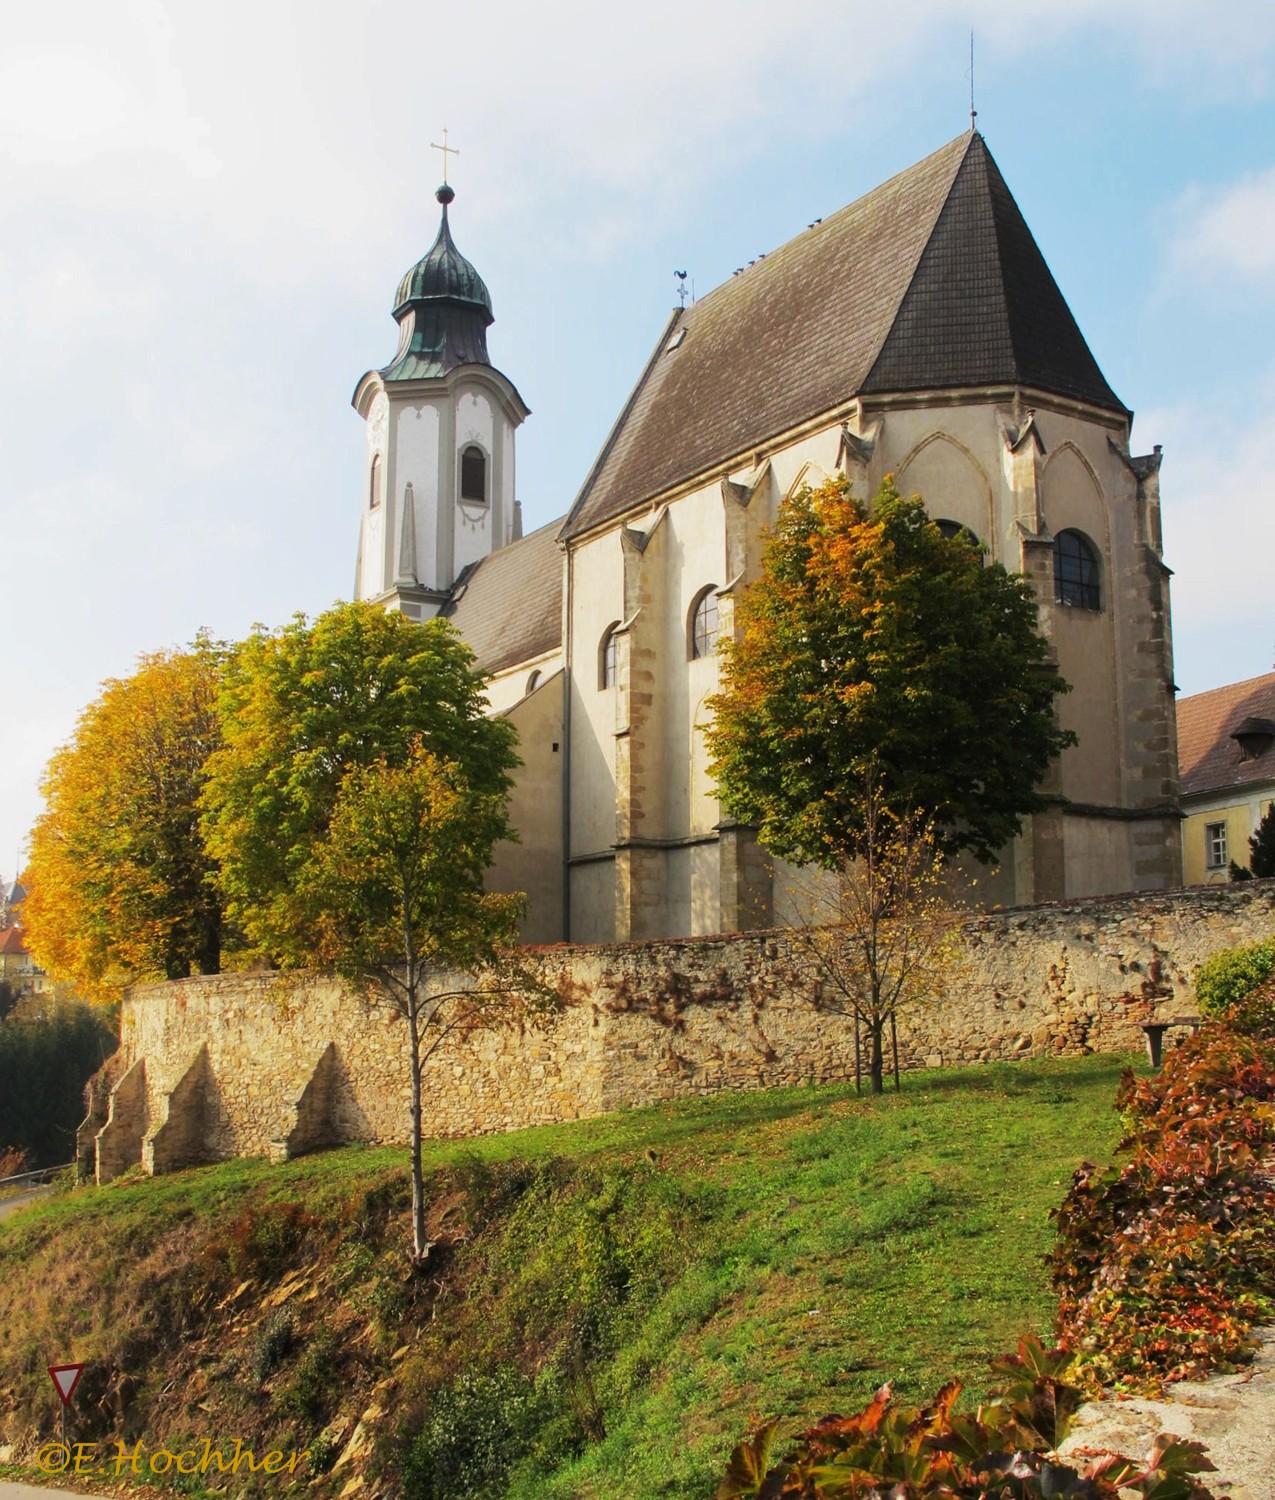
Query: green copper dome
<point>444,310</point>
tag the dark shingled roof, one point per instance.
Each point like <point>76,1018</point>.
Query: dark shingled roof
<point>509,608</point>
<point>931,280</point>
<point>1209,758</point>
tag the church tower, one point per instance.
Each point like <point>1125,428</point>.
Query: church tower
<point>438,479</point>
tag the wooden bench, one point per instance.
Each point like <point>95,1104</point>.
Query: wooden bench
<point>1155,1034</point>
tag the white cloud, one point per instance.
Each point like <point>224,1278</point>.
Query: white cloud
<point>1218,492</point>
<point>1228,231</point>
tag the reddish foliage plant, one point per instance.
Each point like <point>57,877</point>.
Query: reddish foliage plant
<point>1163,1265</point>
<point>1005,1449</point>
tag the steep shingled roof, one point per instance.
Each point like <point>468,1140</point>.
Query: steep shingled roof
<point>931,280</point>
<point>509,609</point>
<point>1209,758</point>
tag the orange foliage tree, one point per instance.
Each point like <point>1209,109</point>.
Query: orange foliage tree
<point>121,886</point>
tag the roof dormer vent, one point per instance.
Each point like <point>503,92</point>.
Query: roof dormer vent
<point>1254,737</point>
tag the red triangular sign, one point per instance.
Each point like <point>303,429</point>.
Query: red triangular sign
<point>66,1378</point>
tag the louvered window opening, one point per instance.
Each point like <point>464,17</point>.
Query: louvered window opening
<point>473,475</point>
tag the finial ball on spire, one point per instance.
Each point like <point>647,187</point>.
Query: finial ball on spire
<point>445,194</point>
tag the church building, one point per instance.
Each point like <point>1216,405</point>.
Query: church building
<point>917,332</point>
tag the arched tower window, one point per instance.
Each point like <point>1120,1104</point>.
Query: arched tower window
<point>609,658</point>
<point>374,483</point>
<point>1076,571</point>
<point>473,475</point>
<point>704,619</point>
<point>533,682</point>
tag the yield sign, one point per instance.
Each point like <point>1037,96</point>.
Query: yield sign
<point>66,1378</point>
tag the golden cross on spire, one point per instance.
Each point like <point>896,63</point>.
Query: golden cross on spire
<point>445,148</point>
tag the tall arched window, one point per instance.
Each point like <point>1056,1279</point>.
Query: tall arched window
<point>609,658</point>
<point>1076,571</point>
<point>533,682</point>
<point>473,475</point>
<point>374,483</point>
<point>704,618</point>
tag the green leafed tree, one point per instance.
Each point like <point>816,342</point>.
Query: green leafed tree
<point>303,705</point>
<point>875,650</point>
<point>395,898</point>
<point>1262,846</point>
<point>354,808</point>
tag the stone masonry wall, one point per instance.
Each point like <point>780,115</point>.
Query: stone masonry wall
<point>254,1065</point>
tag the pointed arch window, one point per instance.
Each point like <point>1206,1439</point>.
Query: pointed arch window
<point>473,475</point>
<point>704,623</point>
<point>374,483</point>
<point>1076,573</point>
<point>609,658</point>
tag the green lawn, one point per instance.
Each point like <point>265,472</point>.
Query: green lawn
<point>777,1253</point>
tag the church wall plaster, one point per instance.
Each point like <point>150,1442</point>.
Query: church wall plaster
<point>416,463</point>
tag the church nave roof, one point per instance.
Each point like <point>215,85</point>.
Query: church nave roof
<point>931,281</point>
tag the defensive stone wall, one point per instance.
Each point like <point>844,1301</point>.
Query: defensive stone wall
<point>254,1065</point>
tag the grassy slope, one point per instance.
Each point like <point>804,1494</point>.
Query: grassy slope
<point>800,1247</point>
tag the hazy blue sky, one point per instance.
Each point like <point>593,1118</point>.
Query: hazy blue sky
<point>205,209</point>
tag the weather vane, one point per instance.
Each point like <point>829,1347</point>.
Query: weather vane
<point>681,286</point>
<point>444,148</point>
<point>973,111</point>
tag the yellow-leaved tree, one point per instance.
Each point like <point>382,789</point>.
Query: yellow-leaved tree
<point>120,884</point>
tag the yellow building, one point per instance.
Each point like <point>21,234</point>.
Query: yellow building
<point>1226,758</point>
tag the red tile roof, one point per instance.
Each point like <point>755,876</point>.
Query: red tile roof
<point>1209,759</point>
<point>11,941</point>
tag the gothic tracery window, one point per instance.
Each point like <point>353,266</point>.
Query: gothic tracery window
<point>609,659</point>
<point>1076,571</point>
<point>704,622</point>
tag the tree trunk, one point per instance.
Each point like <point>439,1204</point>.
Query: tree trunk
<point>876,1064</point>
<point>418,1181</point>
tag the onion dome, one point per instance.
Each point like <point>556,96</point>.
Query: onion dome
<point>443,308</point>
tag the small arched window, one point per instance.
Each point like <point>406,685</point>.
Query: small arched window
<point>704,619</point>
<point>374,483</point>
<point>533,682</point>
<point>609,658</point>
<point>1076,571</point>
<point>473,475</point>
<point>955,531</point>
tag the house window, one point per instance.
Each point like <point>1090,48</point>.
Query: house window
<point>374,483</point>
<point>1075,571</point>
<point>473,475</point>
<point>704,624</point>
<point>1215,855</point>
<point>533,682</point>
<point>609,659</point>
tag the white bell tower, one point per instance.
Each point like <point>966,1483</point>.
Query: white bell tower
<point>438,483</point>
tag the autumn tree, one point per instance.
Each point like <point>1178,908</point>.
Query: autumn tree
<point>302,706</point>
<point>873,645</point>
<point>121,884</point>
<point>394,901</point>
<point>880,937</point>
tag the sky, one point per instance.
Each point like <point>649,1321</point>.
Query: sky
<point>205,210</point>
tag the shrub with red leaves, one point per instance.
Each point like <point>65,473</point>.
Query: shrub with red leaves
<point>1163,1265</point>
